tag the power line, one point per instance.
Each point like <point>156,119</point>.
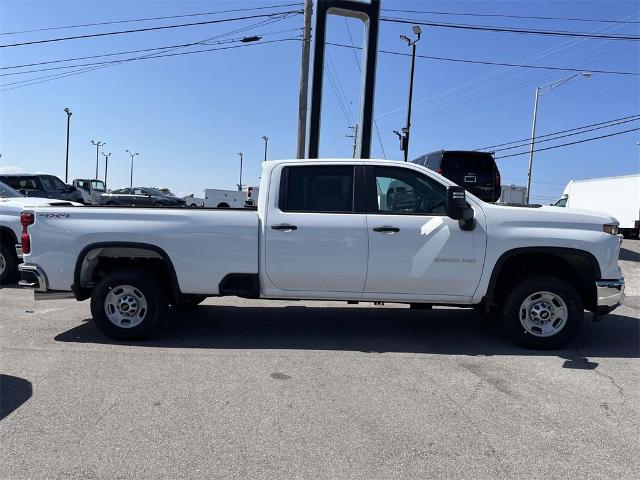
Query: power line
<point>148,29</point>
<point>151,18</point>
<point>568,134</point>
<point>500,64</point>
<point>632,117</point>
<point>500,15</point>
<point>102,65</point>
<point>571,143</point>
<point>126,52</point>
<point>202,43</point>
<point>490,28</point>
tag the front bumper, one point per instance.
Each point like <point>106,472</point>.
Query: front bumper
<point>610,295</point>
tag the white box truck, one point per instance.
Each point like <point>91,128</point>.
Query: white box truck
<point>615,196</point>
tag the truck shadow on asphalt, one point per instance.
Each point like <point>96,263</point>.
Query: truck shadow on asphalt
<point>14,391</point>
<point>375,330</point>
<point>629,255</point>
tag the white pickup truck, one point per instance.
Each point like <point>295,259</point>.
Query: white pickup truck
<point>352,230</point>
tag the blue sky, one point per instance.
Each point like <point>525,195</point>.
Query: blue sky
<point>189,115</point>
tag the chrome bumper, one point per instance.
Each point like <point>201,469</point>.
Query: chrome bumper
<point>610,294</point>
<point>18,250</point>
<point>33,277</point>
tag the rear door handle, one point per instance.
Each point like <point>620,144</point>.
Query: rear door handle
<point>284,226</point>
<point>386,229</point>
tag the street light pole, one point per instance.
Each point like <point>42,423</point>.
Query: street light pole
<point>131,177</point>
<point>66,162</point>
<point>98,145</point>
<point>266,143</point>
<point>240,184</point>
<point>407,129</point>
<point>106,166</point>
<point>541,91</point>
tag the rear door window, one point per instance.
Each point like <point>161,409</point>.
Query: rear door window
<point>317,189</point>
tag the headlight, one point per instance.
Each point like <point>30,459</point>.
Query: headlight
<point>610,228</point>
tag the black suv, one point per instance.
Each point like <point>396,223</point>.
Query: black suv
<point>476,172</point>
<point>42,186</point>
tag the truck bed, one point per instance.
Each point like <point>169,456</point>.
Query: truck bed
<point>204,245</point>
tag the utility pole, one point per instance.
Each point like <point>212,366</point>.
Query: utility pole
<point>131,177</point>
<point>266,145</point>
<point>106,166</point>
<point>304,80</point>
<point>404,142</point>
<point>66,162</point>
<point>355,139</point>
<point>240,184</point>
<point>540,91</point>
<point>98,145</point>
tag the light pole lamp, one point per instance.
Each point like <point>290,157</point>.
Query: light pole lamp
<point>240,184</point>
<point>541,91</point>
<point>98,144</point>
<point>66,162</point>
<point>266,144</point>
<point>106,167</point>
<point>131,177</point>
<point>404,143</point>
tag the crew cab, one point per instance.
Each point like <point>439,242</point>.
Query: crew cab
<point>350,230</point>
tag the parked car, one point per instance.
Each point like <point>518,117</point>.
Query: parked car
<point>194,202</point>
<point>91,190</point>
<point>617,196</point>
<point>41,186</point>
<point>11,205</point>
<point>325,230</point>
<point>140,197</point>
<point>477,172</point>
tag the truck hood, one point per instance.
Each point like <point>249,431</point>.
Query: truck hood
<point>554,216</point>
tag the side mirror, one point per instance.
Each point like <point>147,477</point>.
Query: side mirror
<point>458,208</point>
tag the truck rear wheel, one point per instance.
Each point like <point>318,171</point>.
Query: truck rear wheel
<point>8,265</point>
<point>127,305</point>
<point>542,312</point>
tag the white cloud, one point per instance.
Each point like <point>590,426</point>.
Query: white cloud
<point>11,169</point>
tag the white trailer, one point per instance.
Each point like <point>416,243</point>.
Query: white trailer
<point>616,196</point>
<point>513,195</point>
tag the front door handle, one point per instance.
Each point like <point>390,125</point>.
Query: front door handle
<point>386,229</point>
<point>284,226</point>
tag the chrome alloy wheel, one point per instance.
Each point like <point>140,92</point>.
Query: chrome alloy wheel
<point>543,314</point>
<point>125,306</point>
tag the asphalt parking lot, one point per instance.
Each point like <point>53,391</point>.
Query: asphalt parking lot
<point>246,389</point>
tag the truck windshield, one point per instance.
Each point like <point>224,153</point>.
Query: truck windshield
<point>7,192</point>
<point>98,185</point>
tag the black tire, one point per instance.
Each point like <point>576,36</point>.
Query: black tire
<point>111,204</point>
<point>8,258</point>
<point>158,204</point>
<point>528,289</point>
<point>223,205</point>
<point>187,301</point>
<point>153,293</point>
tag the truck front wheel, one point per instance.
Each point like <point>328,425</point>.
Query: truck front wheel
<point>127,305</point>
<point>542,312</point>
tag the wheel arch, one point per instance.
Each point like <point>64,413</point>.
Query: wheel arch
<point>578,266</point>
<point>8,236</point>
<point>82,292</point>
